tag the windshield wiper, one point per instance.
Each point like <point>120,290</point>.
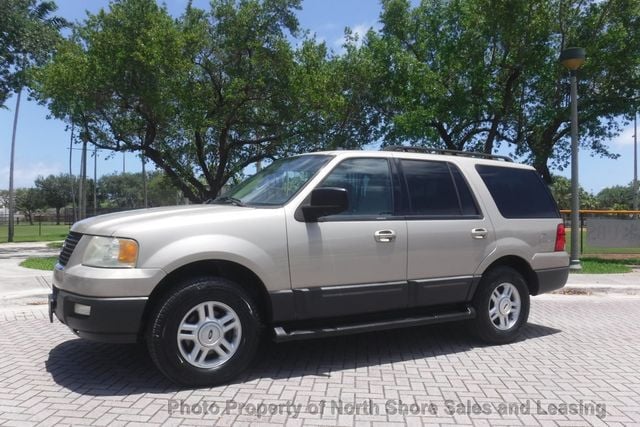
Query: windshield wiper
<point>229,200</point>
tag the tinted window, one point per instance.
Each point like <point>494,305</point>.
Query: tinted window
<point>518,193</point>
<point>467,202</point>
<point>368,182</point>
<point>437,189</point>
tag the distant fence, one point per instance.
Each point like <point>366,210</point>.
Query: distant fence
<point>67,216</point>
<point>607,231</point>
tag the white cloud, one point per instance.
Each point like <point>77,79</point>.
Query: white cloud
<point>625,137</point>
<point>358,31</point>
<point>24,176</point>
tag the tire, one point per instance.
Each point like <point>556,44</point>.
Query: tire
<point>219,332</point>
<point>498,319</point>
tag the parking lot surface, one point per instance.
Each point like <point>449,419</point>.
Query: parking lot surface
<point>578,363</point>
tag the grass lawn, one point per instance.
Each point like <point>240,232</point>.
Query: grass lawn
<point>35,233</point>
<point>40,263</point>
<point>603,266</point>
<point>55,245</point>
<point>588,249</point>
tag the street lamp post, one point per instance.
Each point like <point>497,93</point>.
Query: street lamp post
<point>635,161</point>
<point>573,58</point>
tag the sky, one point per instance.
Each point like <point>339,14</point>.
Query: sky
<point>42,144</point>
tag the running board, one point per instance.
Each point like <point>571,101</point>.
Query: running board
<point>282,335</point>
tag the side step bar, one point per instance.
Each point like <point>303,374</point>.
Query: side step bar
<point>282,335</point>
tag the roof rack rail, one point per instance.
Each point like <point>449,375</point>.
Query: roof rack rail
<point>428,150</point>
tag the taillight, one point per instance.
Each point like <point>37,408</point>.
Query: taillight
<point>560,238</point>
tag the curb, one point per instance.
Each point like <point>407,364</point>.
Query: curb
<point>27,293</point>
<point>577,289</point>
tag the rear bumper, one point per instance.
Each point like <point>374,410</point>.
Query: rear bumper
<point>551,279</point>
<point>115,320</point>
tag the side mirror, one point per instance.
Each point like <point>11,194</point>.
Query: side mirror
<point>325,201</point>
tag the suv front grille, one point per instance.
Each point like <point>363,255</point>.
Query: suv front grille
<point>68,247</point>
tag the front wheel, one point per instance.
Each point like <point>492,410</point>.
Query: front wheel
<point>502,306</point>
<point>205,333</point>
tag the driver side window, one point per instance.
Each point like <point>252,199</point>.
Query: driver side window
<point>368,183</point>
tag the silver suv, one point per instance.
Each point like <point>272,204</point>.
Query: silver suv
<point>316,245</point>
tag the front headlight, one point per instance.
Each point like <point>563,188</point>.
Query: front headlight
<point>111,252</point>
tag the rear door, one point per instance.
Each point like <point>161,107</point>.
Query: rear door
<point>448,235</point>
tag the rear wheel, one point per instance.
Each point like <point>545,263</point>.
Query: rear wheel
<point>502,306</point>
<point>205,333</point>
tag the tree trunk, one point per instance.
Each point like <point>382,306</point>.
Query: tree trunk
<point>57,216</point>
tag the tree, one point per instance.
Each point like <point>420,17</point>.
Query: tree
<point>618,197</point>
<point>56,191</point>
<point>161,191</point>
<point>561,190</point>
<point>4,198</point>
<point>27,37</point>
<point>126,190</point>
<point>206,95</point>
<point>29,201</point>
<point>477,74</point>
<point>120,190</point>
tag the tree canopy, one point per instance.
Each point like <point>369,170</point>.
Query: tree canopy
<point>28,34</point>
<point>477,74</point>
<point>207,94</point>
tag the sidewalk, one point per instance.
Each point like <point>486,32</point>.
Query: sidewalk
<point>19,282</point>
<point>624,283</point>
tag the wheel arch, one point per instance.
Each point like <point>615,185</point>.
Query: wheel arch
<point>521,266</point>
<point>243,276</point>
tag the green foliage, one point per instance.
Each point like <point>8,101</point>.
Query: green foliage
<point>561,190</point>
<point>57,191</point>
<point>27,36</point>
<point>475,74</point>
<point>29,201</point>
<point>208,94</point>
<point>127,190</point>
<point>617,197</point>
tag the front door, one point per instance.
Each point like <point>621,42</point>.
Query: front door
<point>355,261</point>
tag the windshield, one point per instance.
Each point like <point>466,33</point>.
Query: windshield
<point>277,183</point>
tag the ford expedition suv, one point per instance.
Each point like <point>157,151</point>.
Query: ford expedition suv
<point>316,245</point>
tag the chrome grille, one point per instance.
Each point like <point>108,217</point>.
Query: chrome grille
<point>68,247</point>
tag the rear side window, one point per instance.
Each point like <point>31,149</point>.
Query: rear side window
<point>437,189</point>
<point>518,193</point>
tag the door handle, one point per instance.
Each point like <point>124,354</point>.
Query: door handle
<point>479,233</point>
<point>384,236</point>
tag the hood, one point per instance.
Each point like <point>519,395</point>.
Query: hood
<point>125,224</point>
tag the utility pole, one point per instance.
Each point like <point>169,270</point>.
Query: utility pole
<point>123,168</point>
<point>82,190</point>
<point>95,181</point>
<point>73,184</point>
<point>144,181</point>
<point>12,196</point>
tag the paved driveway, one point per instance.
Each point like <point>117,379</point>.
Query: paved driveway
<point>579,364</point>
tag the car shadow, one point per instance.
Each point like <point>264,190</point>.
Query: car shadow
<point>98,369</point>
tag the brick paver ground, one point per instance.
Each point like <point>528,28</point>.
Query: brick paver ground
<point>578,364</point>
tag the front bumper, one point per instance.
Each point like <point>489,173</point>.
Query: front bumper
<point>115,320</point>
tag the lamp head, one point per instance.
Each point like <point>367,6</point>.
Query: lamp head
<point>573,57</point>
